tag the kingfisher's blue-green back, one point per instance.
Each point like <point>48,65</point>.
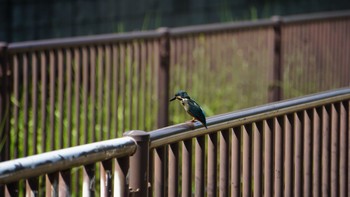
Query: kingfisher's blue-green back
<point>196,111</point>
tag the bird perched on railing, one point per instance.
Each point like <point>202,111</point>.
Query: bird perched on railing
<point>191,107</point>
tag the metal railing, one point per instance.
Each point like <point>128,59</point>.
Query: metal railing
<point>66,92</point>
<point>294,147</point>
<point>57,167</point>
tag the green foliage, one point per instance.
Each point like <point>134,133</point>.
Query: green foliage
<point>217,74</point>
<point>86,116</point>
<point>307,70</point>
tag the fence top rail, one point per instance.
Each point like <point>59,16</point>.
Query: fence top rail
<point>82,41</point>
<point>177,31</point>
<point>261,23</point>
<point>316,16</point>
<point>215,27</point>
<point>185,131</point>
<point>45,163</point>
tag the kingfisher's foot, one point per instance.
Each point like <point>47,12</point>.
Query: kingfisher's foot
<point>193,120</point>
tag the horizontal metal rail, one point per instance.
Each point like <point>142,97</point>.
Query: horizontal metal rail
<point>221,27</point>
<point>82,41</point>
<point>189,130</point>
<point>67,158</point>
<point>316,16</point>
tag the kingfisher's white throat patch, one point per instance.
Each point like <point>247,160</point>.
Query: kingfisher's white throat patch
<point>184,103</point>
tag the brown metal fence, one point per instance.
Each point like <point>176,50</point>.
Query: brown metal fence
<point>51,173</point>
<point>215,65</point>
<point>255,62</point>
<point>71,92</point>
<point>315,54</point>
<point>297,147</point>
<point>66,92</point>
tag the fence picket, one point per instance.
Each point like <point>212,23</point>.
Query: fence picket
<point>235,162</point>
<point>212,164</point>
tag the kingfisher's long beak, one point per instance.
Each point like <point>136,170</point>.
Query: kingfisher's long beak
<point>173,98</point>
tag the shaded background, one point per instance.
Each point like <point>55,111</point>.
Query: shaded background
<point>23,20</point>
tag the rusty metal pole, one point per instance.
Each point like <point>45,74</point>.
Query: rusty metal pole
<point>5,95</point>
<point>163,78</point>
<point>139,164</point>
<point>275,89</point>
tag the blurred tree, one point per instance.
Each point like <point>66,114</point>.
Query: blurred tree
<point>32,20</point>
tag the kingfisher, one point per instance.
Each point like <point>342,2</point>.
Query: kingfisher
<point>191,107</point>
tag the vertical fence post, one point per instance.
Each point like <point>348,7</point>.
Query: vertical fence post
<point>4,103</point>
<point>163,78</point>
<point>275,89</point>
<point>139,164</point>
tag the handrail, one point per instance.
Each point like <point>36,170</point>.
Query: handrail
<point>215,27</point>
<point>58,160</point>
<point>184,131</point>
<point>316,16</point>
<point>82,40</point>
